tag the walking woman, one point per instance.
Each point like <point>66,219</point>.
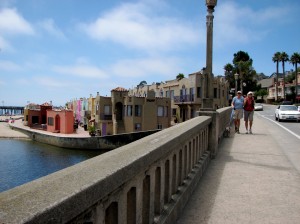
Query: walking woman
<point>248,112</point>
<point>237,104</point>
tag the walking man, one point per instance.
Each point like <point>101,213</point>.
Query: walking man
<point>237,104</point>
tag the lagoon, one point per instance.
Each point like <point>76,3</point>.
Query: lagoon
<point>22,160</point>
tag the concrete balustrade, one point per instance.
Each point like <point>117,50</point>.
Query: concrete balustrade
<point>147,181</point>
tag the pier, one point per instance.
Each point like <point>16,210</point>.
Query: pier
<point>11,110</point>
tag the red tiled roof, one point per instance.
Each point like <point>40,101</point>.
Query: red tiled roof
<point>120,89</point>
<point>46,104</point>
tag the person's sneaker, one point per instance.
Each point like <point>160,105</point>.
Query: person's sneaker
<point>246,131</point>
<point>236,129</point>
<point>250,131</point>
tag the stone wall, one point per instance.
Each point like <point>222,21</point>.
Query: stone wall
<point>108,142</point>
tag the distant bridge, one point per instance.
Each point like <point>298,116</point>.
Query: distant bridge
<point>11,110</point>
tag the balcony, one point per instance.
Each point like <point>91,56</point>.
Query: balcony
<point>184,99</point>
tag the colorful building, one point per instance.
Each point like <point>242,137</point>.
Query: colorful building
<point>60,121</point>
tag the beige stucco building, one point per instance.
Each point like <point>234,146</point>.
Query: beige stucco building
<point>187,94</point>
<point>123,113</point>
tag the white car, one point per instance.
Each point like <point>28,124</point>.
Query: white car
<point>287,112</point>
<point>258,106</point>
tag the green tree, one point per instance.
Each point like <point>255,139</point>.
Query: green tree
<point>261,92</point>
<point>180,76</point>
<point>243,66</point>
<point>229,76</point>
<point>276,59</point>
<point>295,60</point>
<point>283,58</point>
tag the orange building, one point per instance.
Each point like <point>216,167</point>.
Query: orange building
<point>60,121</point>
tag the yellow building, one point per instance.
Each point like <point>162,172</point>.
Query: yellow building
<point>122,113</point>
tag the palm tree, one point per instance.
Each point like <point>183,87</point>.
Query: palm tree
<point>276,58</point>
<point>295,60</point>
<point>283,58</point>
<point>180,76</point>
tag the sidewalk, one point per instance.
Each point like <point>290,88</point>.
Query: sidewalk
<point>251,180</point>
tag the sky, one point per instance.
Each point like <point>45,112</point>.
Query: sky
<point>53,50</point>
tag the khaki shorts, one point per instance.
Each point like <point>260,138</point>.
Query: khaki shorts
<point>238,114</point>
<point>248,115</point>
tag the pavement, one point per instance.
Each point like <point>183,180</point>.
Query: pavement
<point>7,131</point>
<point>251,181</point>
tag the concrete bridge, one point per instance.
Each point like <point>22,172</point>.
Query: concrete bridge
<point>165,178</point>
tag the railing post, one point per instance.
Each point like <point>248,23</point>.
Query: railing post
<point>213,142</point>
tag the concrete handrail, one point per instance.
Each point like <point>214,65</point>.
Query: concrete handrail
<point>145,181</point>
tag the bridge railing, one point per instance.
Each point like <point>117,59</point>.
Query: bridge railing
<point>147,181</point>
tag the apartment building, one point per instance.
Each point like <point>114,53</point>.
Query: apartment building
<point>187,94</point>
<point>122,113</point>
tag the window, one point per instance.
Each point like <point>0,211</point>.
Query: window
<point>199,95</point>
<point>50,121</point>
<point>138,110</point>
<point>129,110</point>
<point>137,127</point>
<point>160,111</point>
<point>191,94</point>
<point>174,112</point>
<point>159,126</point>
<point>161,93</point>
<point>168,94</point>
<point>172,94</point>
<point>166,112</point>
<point>107,110</point>
<point>215,93</point>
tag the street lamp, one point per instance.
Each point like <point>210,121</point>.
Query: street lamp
<point>236,77</point>
<point>210,4</point>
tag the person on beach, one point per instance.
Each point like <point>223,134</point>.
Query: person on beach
<point>237,105</point>
<point>248,112</point>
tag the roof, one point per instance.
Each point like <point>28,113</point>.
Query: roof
<point>46,104</point>
<point>120,89</point>
<point>265,83</point>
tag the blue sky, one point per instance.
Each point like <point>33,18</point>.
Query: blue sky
<point>53,50</point>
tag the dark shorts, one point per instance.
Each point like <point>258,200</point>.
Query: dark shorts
<point>248,115</point>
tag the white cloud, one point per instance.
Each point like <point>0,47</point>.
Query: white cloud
<point>9,66</point>
<point>4,45</point>
<point>236,23</point>
<point>86,71</point>
<point>135,26</point>
<point>12,22</point>
<point>51,28</point>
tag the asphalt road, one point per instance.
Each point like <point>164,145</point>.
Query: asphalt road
<point>269,114</point>
<point>286,134</point>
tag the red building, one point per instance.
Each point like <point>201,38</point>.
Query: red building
<point>43,117</point>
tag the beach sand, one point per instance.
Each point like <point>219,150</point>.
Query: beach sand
<point>7,132</point>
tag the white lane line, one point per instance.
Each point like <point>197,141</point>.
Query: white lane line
<point>293,133</point>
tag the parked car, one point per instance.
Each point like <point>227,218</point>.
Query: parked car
<point>287,112</point>
<point>258,106</point>
<point>287,103</point>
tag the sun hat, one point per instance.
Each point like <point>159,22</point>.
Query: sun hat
<point>239,92</point>
<point>249,93</point>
